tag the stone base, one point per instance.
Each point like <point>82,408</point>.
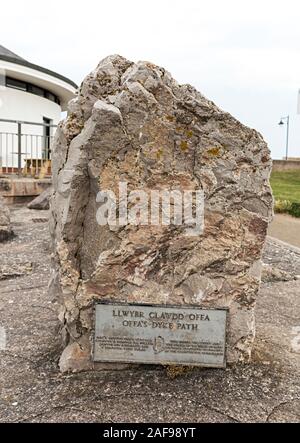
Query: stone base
<point>76,357</point>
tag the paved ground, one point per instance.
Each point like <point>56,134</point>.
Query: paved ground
<point>32,389</point>
<point>286,228</point>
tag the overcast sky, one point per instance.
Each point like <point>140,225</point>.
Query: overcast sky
<point>244,55</point>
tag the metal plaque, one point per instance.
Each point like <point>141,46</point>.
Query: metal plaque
<point>160,335</point>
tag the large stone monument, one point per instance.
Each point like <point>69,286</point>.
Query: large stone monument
<point>133,124</point>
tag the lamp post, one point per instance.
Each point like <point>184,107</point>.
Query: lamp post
<point>287,118</point>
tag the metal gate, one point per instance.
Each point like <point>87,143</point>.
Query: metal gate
<point>25,148</point>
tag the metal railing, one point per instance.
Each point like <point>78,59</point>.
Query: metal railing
<point>25,148</point>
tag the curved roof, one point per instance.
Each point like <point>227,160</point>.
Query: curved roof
<point>7,53</point>
<point>9,56</point>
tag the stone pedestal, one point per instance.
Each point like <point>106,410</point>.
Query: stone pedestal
<point>134,124</point>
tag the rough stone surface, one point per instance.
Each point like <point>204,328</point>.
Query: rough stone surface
<point>5,227</point>
<point>33,390</point>
<point>42,200</point>
<point>135,123</point>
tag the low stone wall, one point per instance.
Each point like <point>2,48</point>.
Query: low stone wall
<point>286,165</point>
<point>15,189</point>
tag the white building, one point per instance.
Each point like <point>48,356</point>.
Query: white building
<point>29,94</point>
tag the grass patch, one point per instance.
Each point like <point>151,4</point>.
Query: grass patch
<point>295,210</point>
<point>286,185</point>
<point>286,190</point>
<point>282,206</point>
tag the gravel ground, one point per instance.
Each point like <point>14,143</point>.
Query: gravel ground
<point>282,257</point>
<point>32,389</point>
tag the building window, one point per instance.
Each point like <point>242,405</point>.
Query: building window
<point>50,96</point>
<point>47,138</point>
<point>16,84</point>
<point>32,89</point>
<point>35,90</point>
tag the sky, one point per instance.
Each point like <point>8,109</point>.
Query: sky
<point>243,55</point>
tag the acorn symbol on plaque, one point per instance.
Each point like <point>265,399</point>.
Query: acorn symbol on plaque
<point>158,344</point>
